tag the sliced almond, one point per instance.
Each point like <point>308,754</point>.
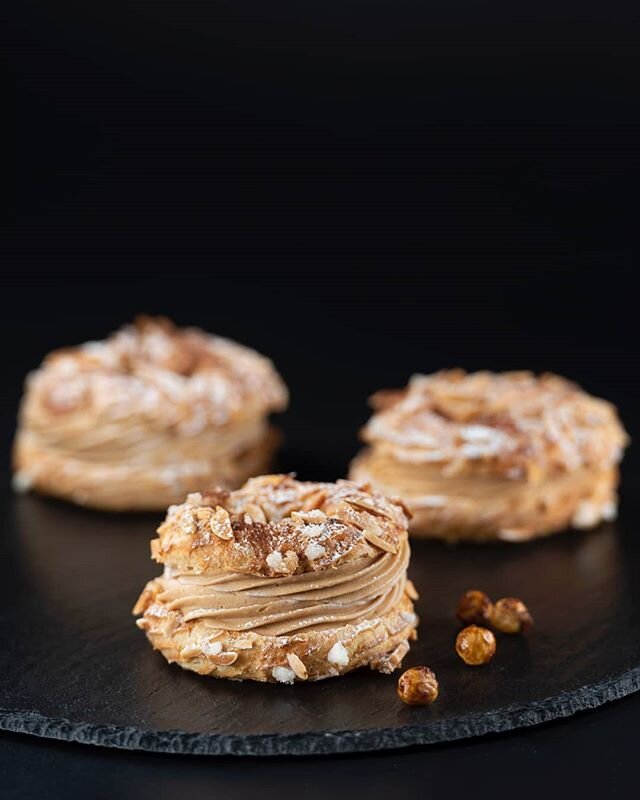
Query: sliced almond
<point>314,500</point>
<point>224,659</point>
<point>255,512</point>
<point>297,666</point>
<point>142,602</point>
<point>411,590</point>
<point>368,505</point>
<point>221,524</point>
<point>190,651</point>
<point>388,663</point>
<point>377,541</point>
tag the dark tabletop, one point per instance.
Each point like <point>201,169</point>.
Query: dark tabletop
<point>592,755</point>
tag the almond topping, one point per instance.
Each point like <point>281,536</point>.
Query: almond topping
<point>369,505</point>
<point>255,512</point>
<point>376,540</point>
<point>387,664</point>
<point>224,659</point>
<point>221,524</point>
<point>314,500</point>
<point>297,666</point>
<point>411,590</point>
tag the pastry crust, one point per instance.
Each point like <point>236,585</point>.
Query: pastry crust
<point>137,421</point>
<point>486,456</point>
<point>281,581</point>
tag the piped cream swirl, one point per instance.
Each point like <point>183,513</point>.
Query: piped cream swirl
<point>359,590</point>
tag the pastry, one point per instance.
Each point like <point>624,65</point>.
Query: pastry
<point>281,581</point>
<point>141,419</point>
<point>484,456</point>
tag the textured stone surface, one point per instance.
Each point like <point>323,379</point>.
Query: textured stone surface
<point>309,743</point>
<point>74,666</point>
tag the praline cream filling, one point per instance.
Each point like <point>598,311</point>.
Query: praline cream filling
<point>108,442</point>
<point>363,589</point>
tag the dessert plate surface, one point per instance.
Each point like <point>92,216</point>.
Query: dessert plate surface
<point>75,667</point>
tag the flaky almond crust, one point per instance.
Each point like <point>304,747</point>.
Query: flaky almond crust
<point>263,528</point>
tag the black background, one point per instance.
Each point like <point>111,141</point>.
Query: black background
<point>360,190</point>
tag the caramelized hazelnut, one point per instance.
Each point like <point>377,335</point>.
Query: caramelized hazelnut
<point>475,645</point>
<point>474,607</point>
<point>418,686</point>
<point>510,615</point>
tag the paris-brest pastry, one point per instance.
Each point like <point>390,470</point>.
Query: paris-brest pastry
<point>281,581</point>
<point>485,456</point>
<point>139,420</point>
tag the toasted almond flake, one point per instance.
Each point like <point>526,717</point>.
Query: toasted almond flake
<point>142,624</point>
<point>194,499</point>
<point>255,512</point>
<point>369,505</point>
<point>378,541</point>
<point>297,666</point>
<point>387,664</point>
<point>409,617</point>
<point>224,659</point>
<point>191,651</point>
<point>283,674</point>
<point>314,500</point>
<point>338,655</point>
<point>221,524</point>
<point>142,602</point>
<point>243,644</point>
<point>411,590</point>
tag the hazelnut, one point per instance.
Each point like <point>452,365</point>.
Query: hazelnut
<point>475,645</point>
<point>418,686</point>
<point>510,615</point>
<point>474,608</point>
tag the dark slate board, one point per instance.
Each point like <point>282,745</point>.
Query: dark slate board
<point>75,667</point>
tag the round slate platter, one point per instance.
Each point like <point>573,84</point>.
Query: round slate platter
<point>74,666</point>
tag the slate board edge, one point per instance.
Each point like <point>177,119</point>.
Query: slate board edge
<point>305,744</point>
